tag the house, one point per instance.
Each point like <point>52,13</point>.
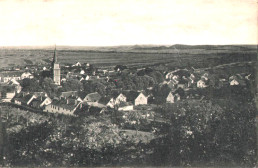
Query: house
<point>82,72</point>
<point>8,94</point>
<point>86,109</point>
<point>172,97</point>
<point>114,100</point>
<point>16,84</point>
<point>167,97</point>
<point>26,75</point>
<point>92,97</point>
<point>191,80</point>
<point>201,84</point>
<point>80,95</point>
<point>9,75</point>
<point>68,94</point>
<point>233,82</point>
<point>40,94</point>
<point>62,106</point>
<point>87,77</point>
<point>118,98</point>
<point>22,99</point>
<point>63,80</point>
<point>137,98</point>
<point>106,102</point>
<point>249,77</point>
<point>77,64</point>
<point>182,84</point>
<point>40,102</point>
<point>236,80</point>
<point>172,84</point>
<point>205,76</point>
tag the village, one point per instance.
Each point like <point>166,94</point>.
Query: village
<point>82,89</point>
<point>70,111</point>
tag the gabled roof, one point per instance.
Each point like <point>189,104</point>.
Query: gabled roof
<point>124,104</point>
<point>13,82</point>
<point>39,94</point>
<point>82,95</point>
<point>69,93</point>
<point>23,99</point>
<point>63,103</point>
<point>36,102</point>
<point>93,96</point>
<point>131,95</point>
<point>84,108</point>
<point>104,100</point>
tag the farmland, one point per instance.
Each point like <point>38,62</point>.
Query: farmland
<point>176,55</point>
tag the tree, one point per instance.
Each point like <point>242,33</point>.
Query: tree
<point>72,85</point>
<point>94,86</point>
<point>31,85</point>
<point>221,132</point>
<point>49,87</point>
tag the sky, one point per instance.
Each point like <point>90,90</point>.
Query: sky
<point>127,22</point>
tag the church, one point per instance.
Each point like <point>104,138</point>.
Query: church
<point>56,70</point>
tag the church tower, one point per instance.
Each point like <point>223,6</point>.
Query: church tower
<point>56,69</point>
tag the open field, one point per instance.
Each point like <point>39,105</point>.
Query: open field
<point>177,55</point>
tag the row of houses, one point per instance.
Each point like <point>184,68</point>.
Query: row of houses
<point>184,79</point>
<point>69,102</point>
<point>7,76</point>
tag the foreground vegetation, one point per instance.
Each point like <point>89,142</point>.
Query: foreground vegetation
<point>214,132</point>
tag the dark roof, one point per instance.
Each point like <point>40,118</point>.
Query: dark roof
<point>36,102</point>
<point>41,98</point>
<point>183,82</point>
<point>39,93</point>
<point>68,94</point>
<point>104,100</point>
<point>84,108</point>
<point>115,94</point>
<point>131,95</point>
<point>123,104</point>
<point>82,95</point>
<point>63,103</point>
<point>27,97</point>
<point>24,99</point>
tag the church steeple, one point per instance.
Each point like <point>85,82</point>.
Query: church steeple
<point>55,57</point>
<point>56,69</point>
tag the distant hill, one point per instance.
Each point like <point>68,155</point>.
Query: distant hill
<point>139,48</point>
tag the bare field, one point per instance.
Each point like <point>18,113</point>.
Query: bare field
<point>198,56</point>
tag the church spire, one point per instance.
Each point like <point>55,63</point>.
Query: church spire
<point>55,58</point>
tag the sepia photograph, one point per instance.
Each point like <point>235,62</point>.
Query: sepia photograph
<point>128,83</point>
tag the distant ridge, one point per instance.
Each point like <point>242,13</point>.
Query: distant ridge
<point>134,48</point>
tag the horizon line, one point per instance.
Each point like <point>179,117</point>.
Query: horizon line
<point>2,46</point>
